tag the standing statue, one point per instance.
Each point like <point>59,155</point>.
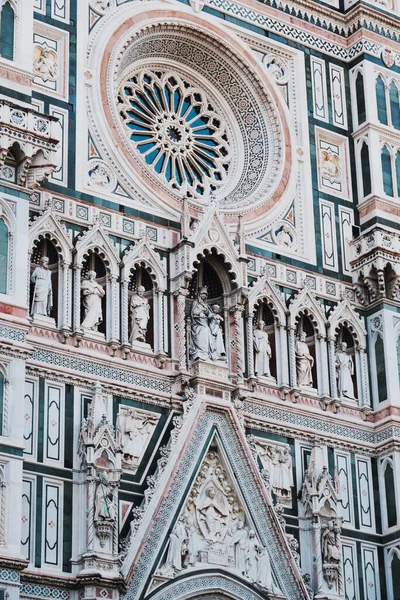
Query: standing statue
<point>92,293</point>
<point>264,574</point>
<point>304,362</point>
<point>200,313</point>
<point>283,474</point>
<point>239,541</point>
<point>217,347</point>
<point>140,314</point>
<point>104,500</point>
<point>330,550</point>
<point>253,547</point>
<point>262,350</point>
<point>344,371</point>
<point>174,555</point>
<point>42,301</point>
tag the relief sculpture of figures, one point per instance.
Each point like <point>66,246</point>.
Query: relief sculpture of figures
<point>262,350</point>
<point>277,461</point>
<point>92,293</point>
<point>136,433</point>
<point>42,301</point>
<point>344,371</point>
<point>304,362</point>
<point>140,314</point>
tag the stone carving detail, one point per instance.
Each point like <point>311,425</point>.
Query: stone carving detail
<point>206,339</point>
<point>136,428</point>
<point>42,301</point>
<point>92,293</point>
<point>344,371</point>
<point>45,63</point>
<point>140,313</point>
<point>330,165</point>
<point>277,467</point>
<point>100,176</point>
<point>304,362</point>
<point>277,68</point>
<point>262,351</point>
<point>285,235</point>
<point>213,530</point>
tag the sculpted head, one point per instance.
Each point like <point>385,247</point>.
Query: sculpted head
<point>203,294</point>
<point>141,290</point>
<point>92,275</point>
<point>343,346</point>
<point>261,325</point>
<point>44,262</point>
<point>302,336</point>
<point>211,493</point>
<point>216,308</point>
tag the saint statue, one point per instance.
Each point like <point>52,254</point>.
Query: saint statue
<point>200,313</point>
<point>283,474</point>
<point>104,500</point>
<point>304,362</point>
<point>253,547</point>
<point>239,541</point>
<point>140,313</point>
<point>264,574</point>
<point>217,347</point>
<point>92,293</point>
<point>177,536</point>
<point>330,550</point>
<point>344,371</point>
<point>262,350</point>
<point>42,301</point>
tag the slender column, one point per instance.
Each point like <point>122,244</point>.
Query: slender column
<point>65,317</point>
<point>284,370</point>
<point>160,322</point>
<point>77,297</point>
<point>365,401</point>
<point>324,384</point>
<point>250,345</point>
<point>181,298</point>
<point>125,313</point>
<point>90,513</point>
<point>113,304</point>
<point>332,368</point>
<point>6,401</point>
<point>237,317</point>
<point>292,358</point>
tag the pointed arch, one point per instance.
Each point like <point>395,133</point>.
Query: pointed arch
<point>344,314</point>
<point>263,289</point>
<point>143,254</point>
<point>49,225</point>
<point>97,240</point>
<point>306,303</point>
<point>7,248</point>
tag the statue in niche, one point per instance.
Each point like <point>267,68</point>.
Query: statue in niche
<point>217,347</point>
<point>104,500</point>
<point>200,313</point>
<point>304,362</point>
<point>140,314</point>
<point>42,301</point>
<point>262,350</point>
<point>329,543</point>
<point>137,430</point>
<point>344,371</point>
<point>92,293</point>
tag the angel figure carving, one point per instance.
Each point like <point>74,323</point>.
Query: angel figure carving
<point>330,166</point>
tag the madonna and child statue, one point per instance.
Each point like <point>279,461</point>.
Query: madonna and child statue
<point>206,338</point>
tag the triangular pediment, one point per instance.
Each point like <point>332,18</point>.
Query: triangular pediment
<point>213,233</point>
<point>306,301</point>
<point>345,313</point>
<point>96,237</point>
<point>143,252</point>
<point>212,514</point>
<point>48,224</point>
<point>263,289</point>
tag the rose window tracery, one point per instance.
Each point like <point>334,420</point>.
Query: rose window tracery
<point>177,131</point>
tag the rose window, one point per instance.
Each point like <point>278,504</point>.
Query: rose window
<point>177,131</point>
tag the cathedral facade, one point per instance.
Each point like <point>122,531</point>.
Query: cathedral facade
<point>199,299</point>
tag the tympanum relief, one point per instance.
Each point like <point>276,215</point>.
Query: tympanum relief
<point>136,428</point>
<point>213,530</point>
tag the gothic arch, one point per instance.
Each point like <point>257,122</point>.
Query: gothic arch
<point>263,289</point>
<point>306,303</point>
<point>96,239</point>
<point>143,254</point>
<point>344,314</point>
<point>48,225</point>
